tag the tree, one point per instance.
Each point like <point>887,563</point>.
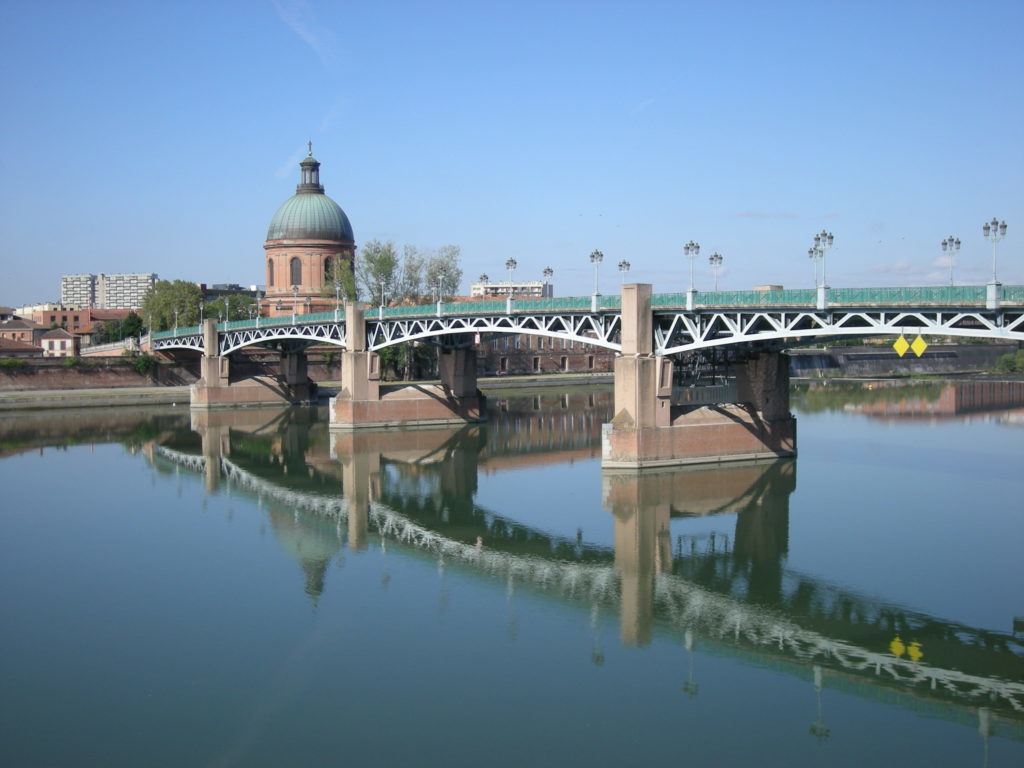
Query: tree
<point>377,271</point>
<point>165,297</point>
<point>233,306</point>
<point>339,279</point>
<point>442,273</point>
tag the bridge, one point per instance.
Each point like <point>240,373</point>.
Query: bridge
<point>653,424</point>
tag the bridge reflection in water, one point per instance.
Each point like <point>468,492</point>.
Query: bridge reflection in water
<point>728,592</point>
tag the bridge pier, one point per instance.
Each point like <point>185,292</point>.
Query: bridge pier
<point>364,403</point>
<point>648,430</point>
<point>216,390</point>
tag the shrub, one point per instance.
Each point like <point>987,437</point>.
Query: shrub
<point>12,363</point>
<point>72,362</point>
<point>144,364</point>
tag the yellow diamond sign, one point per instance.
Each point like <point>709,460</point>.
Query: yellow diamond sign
<point>919,346</point>
<point>901,346</point>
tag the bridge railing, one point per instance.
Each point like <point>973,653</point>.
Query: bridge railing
<point>937,294</point>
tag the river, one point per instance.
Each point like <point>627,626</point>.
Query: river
<point>249,589</point>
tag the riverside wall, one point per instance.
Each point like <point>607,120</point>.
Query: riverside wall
<point>882,360</point>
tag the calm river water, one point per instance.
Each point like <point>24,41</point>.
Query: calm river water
<point>247,589</point>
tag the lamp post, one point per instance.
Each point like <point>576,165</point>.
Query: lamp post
<point>256,307</point>
<point>950,246</point>
<point>484,278</point>
<point>596,257</point>
<point>691,250</point>
<point>623,269</point>
<point>511,265</point>
<point>548,272</point>
<point>547,291</point>
<point>175,319</point>
<point>295,300</point>
<point>337,299</point>
<point>994,231</point>
<point>815,257</point>
<point>715,260</point>
<point>822,242</point>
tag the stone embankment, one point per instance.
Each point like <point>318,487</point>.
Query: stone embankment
<point>882,361</point>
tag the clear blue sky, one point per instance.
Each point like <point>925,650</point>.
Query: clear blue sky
<point>162,136</point>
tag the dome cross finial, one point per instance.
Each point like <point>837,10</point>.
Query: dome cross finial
<point>309,144</point>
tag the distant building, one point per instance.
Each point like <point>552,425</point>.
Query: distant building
<point>19,329</point>
<point>529,354</point>
<point>59,343</point>
<point>6,313</point>
<point>534,289</point>
<point>102,291</point>
<point>11,348</point>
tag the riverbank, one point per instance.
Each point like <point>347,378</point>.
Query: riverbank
<point>39,399</point>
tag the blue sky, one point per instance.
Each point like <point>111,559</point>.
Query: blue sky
<point>162,136</point>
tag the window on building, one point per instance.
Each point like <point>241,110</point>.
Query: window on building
<point>270,273</point>
<point>63,345</point>
<point>329,277</point>
<point>296,270</point>
<point>518,339</point>
<point>564,363</point>
<point>590,362</point>
<point>536,364</point>
<point>503,364</point>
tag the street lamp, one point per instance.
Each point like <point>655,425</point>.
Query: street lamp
<point>715,260</point>
<point>511,265</point>
<point>691,250</point>
<point>623,269</point>
<point>295,300</point>
<point>951,245</point>
<point>596,257</point>
<point>994,231</point>
<point>484,278</point>
<point>815,257</point>
<point>548,272</point>
<point>337,299</point>
<point>175,319</point>
<point>822,242</point>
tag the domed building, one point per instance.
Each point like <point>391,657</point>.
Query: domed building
<point>309,247</point>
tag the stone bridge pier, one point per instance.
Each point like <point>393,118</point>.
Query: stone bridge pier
<point>365,403</point>
<point>217,389</point>
<point>650,430</point>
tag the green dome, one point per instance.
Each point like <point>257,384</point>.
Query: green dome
<point>310,216</point>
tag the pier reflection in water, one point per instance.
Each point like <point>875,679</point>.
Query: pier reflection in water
<point>691,564</point>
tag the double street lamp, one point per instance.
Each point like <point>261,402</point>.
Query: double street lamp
<point>715,260</point>
<point>994,231</point>
<point>623,269</point>
<point>950,247</point>
<point>511,265</point>
<point>817,252</point>
<point>691,250</point>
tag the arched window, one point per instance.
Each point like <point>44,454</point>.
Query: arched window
<point>329,277</point>
<point>296,271</point>
<point>270,273</point>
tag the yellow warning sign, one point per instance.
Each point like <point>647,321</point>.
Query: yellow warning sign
<point>919,346</point>
<point>901,346</point>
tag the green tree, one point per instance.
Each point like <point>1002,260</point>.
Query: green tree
<point>377,271</point>
<point>339,279</point>
<point>442,273</point>
<point>165,297</point>
<point>234,306</point>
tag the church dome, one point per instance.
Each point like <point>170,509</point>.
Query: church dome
<point>310,214</point>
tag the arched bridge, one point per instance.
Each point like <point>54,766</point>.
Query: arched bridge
<point>653,424</point>
<point>681,321</point>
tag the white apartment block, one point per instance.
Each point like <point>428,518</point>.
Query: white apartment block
<point>535,289</point>
<point>120,291</point>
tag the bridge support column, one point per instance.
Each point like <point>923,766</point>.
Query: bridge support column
<point>216,390</point>
<point>364,402</point>
<point>648,430</point>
